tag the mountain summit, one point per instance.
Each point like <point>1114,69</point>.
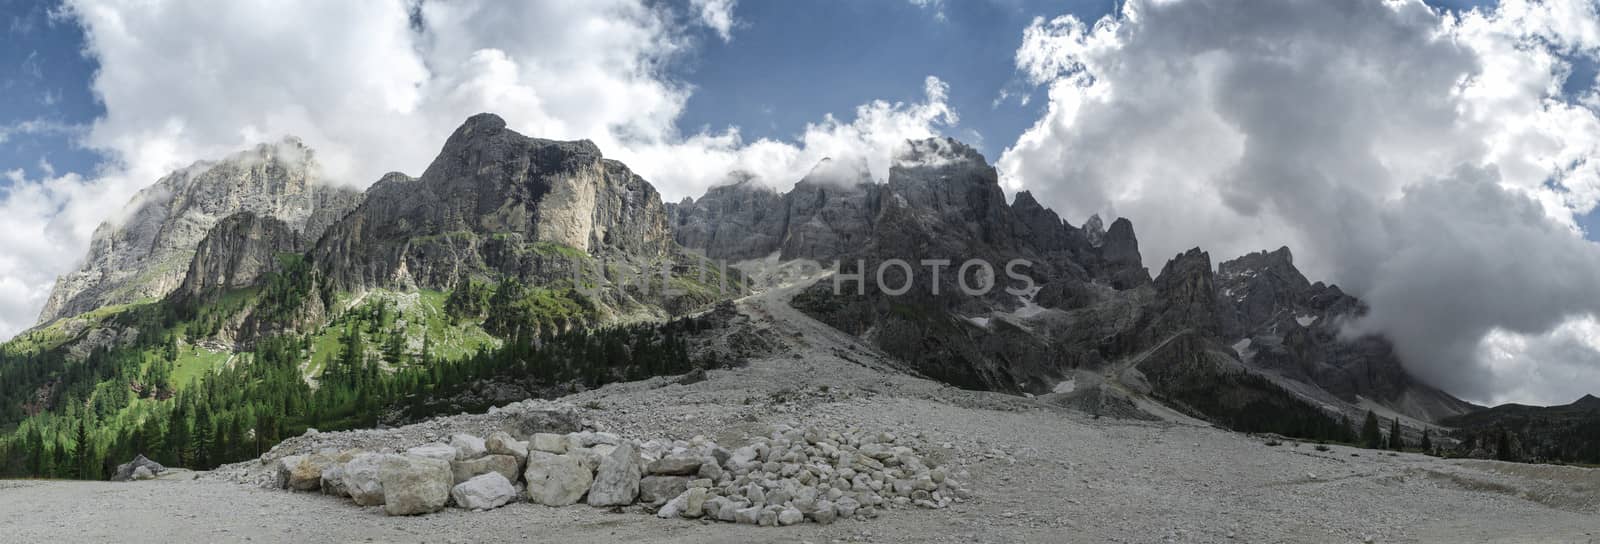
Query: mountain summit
<point>146,254</point>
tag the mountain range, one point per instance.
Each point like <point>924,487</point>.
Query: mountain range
<point>515,265</point>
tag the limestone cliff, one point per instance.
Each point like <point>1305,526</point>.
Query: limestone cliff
<point>147,253</point>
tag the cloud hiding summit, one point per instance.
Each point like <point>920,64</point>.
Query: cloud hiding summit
<point>1426,162</point>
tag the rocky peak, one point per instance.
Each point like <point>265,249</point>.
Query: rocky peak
<point>1095,230</point>
<point>1588,402</point>
<point>1044,228</point>
<point>740,220</point>
<point>147,253</point>
<point>494,201</point>
<point>1277,265</point>
<point>1187,294</point>
<point>1119,249</point>
<point>936,153</point>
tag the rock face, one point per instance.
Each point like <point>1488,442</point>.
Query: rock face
<point>494,201</point>
<point>414,485</point>
<point>241,250</point>
<point>739,220</point>
<point>148,252</point>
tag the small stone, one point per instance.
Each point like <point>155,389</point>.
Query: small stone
<point>675,507</point>
<point>847,506</point>
<point>748,516</point>
<point>824,513</point>
<point>790,516</point>
<point>501,443</point>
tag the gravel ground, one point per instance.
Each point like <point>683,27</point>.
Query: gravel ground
<point>1039,473</point>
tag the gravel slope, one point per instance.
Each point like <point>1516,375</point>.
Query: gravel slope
<point>1040,474</point>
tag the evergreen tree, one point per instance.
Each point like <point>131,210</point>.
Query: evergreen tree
<point>1427,444</point>
<point>1397,442</point>
<point>1371,436</point>
<point>85,462</point>
<point>1502,449</point>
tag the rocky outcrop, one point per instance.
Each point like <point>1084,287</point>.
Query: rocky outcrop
<point>146,253</point>
<point>494,203</point>
<point>744,219</point>
<point>241,250</point>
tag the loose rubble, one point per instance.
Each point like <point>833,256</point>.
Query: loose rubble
<point>790,477</point>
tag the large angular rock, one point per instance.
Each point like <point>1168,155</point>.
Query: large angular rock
<point>505,465</point>
<point>333,481</point>
<point>655,490</point>
<point>616,482</point>
<point>674,465</point>
<point>302,472</point>
<point>556,480</point>
<point>484,492</point>
<point>549,442</point>
<point>125,470</point>
<point>361,479</point>
<point>414,485</point>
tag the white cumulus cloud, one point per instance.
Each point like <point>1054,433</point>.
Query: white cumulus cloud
<point>1429,162</point>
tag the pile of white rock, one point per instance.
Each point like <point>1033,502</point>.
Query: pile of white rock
<point>786,478</point>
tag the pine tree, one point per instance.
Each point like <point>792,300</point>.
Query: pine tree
<point>202,441</point>
<point>1503,447</point>
<point>1427,444</point>
<point>1397,442</point>
<point>1371,436</point>
<point>84,469</point>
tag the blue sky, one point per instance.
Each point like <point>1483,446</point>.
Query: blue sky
<point>45,81</point>
<point>793,62</point>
